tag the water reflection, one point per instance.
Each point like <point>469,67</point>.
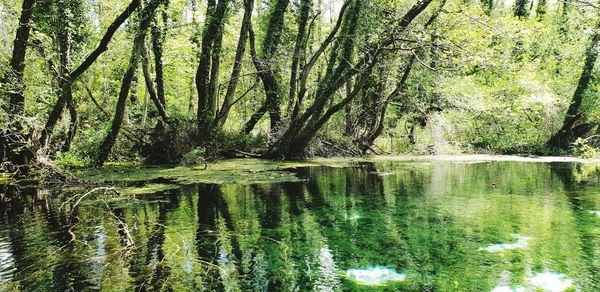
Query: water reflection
<point>426,220</point>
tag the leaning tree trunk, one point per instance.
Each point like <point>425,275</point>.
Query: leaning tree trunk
<point>299,52</point>
<point>566,134</point>
<point>303,129</point>
<point>266,65</point>
<point>60,104</point>
<point>138,44</point>
<point>12,140</point>
<point>237,64</point>
<point>374,125</point>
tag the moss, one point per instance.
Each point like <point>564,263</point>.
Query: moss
<point>5,179</point>
<point>146,189</point>
<point>240,171</point>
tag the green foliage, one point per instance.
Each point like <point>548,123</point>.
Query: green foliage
<point>69,160</point>
<point>584,147</point>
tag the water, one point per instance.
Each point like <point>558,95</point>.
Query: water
<point>429,226</point>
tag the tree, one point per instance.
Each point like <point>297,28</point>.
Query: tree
<point>146,16</point>
<point>575,124</point>
<point>520,9</point>
<point>304,128</point>
<point>70,77</point>
<point>267,68</point>
<point>12,140</point>
<point>207,75</point>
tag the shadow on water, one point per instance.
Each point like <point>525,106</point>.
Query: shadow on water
<point>428,221</point>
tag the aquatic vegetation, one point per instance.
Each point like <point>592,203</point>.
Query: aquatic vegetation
<point>5,179</point>
<point>147,189</point>
<point>522,242</point>
<point>239,171</point>
<point>426,228</point>
<point>374,276</point>
<point>549,281</point>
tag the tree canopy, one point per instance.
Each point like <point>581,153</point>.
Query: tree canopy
<point>84,82</point>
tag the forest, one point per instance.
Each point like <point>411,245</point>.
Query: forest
<point>90,82</point>
<point>299,145</point>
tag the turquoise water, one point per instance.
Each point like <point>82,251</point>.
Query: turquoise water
<point>426,226</point>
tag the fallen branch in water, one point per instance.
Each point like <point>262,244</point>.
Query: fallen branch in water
<point>83,196</point>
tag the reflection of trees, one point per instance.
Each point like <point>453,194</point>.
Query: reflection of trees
<point>585,223</point>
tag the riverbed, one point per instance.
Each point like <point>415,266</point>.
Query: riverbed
<point>455,223</point>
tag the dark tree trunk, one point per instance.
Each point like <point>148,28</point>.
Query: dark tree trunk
<point>208,68</point>
<point>371,120</point>
<point>237,63</point>
<point>17,61</point>
<point>59,106</point>
<point>266,64</point>
<point>565,135</point>
<point>303,129</point>
<point>152,91</point>
<point>158,38</point>
<point>146,16</point>
<point>520,9</point>
<point>13,142</point>
<point>541,9</point>
<point>299,51</point>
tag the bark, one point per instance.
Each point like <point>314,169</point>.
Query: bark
<point>17,61</point>
<point>237,63</point>
<point>138,43</point>
<point>266,64</point>
<point>152,91</point>
<point>208,68</point>
<point>488,6</point>
<point>372,119</point>
<point>12,141</point>
<point>299,51</point>
<point>59,106</point>
<point>302,83</point>
<point>565,135</point>
<point>520,9</point>
<point>541,9</point>
<point>302,130</point>
<point>158,38</point>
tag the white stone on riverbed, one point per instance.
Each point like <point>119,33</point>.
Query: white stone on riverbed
<point>522,242</point>
<point>508,289</point>
<point>374,276</point>
<point>549,281</point>
<point>597,213</point>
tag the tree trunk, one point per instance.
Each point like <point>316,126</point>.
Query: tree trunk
<point>520,9</point>
<point>138,44</point>
<point>303,129</point>
<point>541,10</point>
<point>565,135</point>
<point>17,61</point>
<point>266,64</point>
<point>158,38</point>
<point>59,106</point>
<point>208,68</point>
<point>237,63</point>
<point>152,91</point>
<point>299,51</point>
<point>12,139</point>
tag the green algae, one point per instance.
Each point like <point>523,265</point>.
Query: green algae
<point>147,189</point>
<point>239,171</point>
<point>5,179</point>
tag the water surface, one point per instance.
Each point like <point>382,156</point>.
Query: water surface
<point>430,225</point>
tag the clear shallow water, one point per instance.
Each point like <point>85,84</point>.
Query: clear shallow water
<point>426,226</point>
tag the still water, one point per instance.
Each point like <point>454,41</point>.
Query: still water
<point>424,226</point>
